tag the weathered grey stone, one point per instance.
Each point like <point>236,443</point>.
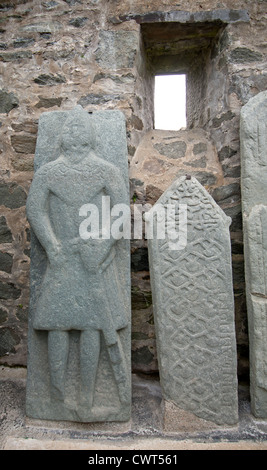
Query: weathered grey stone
<point>48,102</point>
<point>118,78</point>
<point>224,117</point>
<point>12,195</point>
<point>228,193</point>
<point>9,291</point>
<point>181,16</point>
<point>231,171</point>
<point>72,2</point>
<point>136,182</point>
<point>140,299</point>
<point>50,5</point>
<point>27,252</point>
<point>131,150</point>
<point>96,99</point>
<point>78,22</point>
<point>79,318</point>
<point>199,148</point>
<point>67,52</point>
<point>3,315</point>
<point>22,314</point>
<point>247,87</point>
<point>10,56</point>
<point>204,177</point>
<point>5,233</point>
<point>253,133</point>
<point>193,303</point>
<point>49,79</point>
<point>8,101</point>
<point>243,55</point>
<point>200,163</point>
<point>117,49</point>
<point>226,152</point>
<point>142,356</point>
<point>172,149</point>
<point>42,27</point>
<point>235,213</point>
<point>8,340</point>
<point>23,42</point>
<point>6,261</point>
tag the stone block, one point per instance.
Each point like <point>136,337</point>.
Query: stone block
<point>79,318</point>
<point>97,99</point>
<point>9,291</point>
<point>227,194</point>
<point>15,56</point>
<point>22,162</point>
<point>181,16</point>
<point>5,233</point>
<point>42,27</point>
<point>23,42</point>
<point>199,148</point>
<point>8,101</point>
<point>235,213</point>
<point>173,149</point>
<point>8,340</point>
<point>12,195</point>
<point>78,22</point>
<point>253,127</point>
<point>254,216</point>
<point>49,79</point>
<point>23,143</point>
<point>48,102</point>
<point>193,302</point>
<point>206,178</point>
<point>6,261</point>
<point>3,316</point>
<point>117,49</point>
<point>243,55</point>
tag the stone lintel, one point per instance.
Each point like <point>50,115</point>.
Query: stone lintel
<point>180,16</point>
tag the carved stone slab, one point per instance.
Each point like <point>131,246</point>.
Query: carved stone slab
<point>253,136</point>
<point>79,321</point>
<point>193,304</point>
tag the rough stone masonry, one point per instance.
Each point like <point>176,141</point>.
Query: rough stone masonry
<point>104,55</point>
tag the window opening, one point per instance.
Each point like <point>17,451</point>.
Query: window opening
<point>170,102</point>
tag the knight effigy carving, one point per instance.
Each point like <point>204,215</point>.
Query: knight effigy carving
<point>80,314</point>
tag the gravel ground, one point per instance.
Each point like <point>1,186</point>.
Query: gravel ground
<point>145,431</point>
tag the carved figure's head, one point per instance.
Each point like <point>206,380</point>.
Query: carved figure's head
<point>78,131</point>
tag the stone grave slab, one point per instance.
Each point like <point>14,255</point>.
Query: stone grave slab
<point>79,320</point>
<point>193,302</point>
<point>253,140</point>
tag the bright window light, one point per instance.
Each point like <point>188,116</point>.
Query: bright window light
<point>170,102</point>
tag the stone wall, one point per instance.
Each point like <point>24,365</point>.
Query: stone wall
<point>103,55</point>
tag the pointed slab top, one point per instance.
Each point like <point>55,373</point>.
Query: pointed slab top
<point>181,191</point>
<point>253,146</point>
